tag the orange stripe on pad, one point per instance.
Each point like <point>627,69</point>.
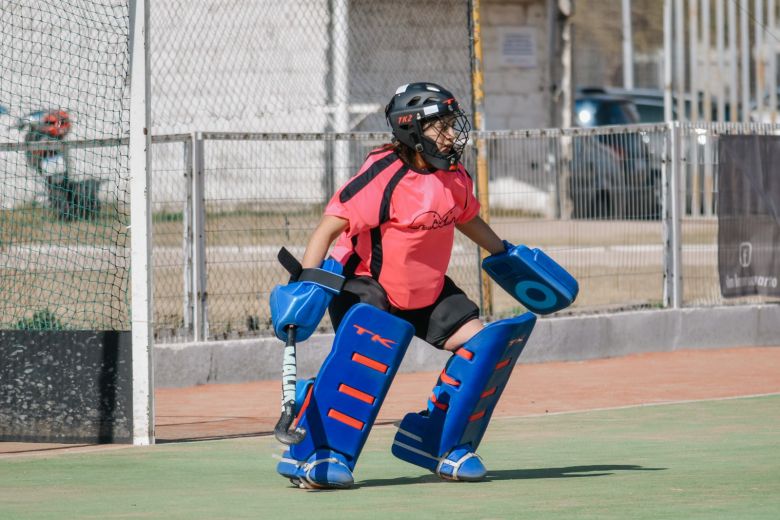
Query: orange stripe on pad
<point>476,416</point>
<point>465,354</point>
<point>449,380</point>
<point>487,393</point>
<point>303,407</point>
<point>503,363</point>
<point>370,363</point>
<point>346,419</point>
<point>357,394</point>
<point>440,406</point>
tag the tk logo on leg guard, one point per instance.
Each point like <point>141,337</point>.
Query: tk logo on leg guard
<point>374,337</point>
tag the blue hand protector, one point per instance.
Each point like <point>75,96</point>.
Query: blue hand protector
<point>533,278</point>
<point>302,303</point>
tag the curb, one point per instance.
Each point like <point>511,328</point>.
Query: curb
<point>575,338</point>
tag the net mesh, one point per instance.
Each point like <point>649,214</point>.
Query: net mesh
<point>299,65</point>
<point>64,215</point>
<point>293,67</point>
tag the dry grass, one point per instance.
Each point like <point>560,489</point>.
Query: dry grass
<point>241,269</point>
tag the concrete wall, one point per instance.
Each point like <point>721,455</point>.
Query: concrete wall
<point>517,78</point>
<point>554,339</point>
<point>259,67</point>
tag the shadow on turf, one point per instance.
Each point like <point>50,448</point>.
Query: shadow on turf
<point>219,437</point>
<point>168,437</point>
<point>517,474</point>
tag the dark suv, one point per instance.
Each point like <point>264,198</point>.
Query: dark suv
<point>613,175</point>
<point>594,107</point>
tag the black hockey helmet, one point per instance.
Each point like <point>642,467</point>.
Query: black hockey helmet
<point>414,107</point>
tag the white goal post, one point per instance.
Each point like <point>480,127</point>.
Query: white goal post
<point>140,225</point>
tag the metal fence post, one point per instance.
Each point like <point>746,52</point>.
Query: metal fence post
<point>188,302</point>
<point>478,95</point>
<point>672,219</point>
<point>564,208</point>
<point>200,313</point>
<point>708,188</point>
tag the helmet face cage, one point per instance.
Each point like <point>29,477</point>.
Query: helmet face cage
<point>454,129</point>
<point>420,108</point>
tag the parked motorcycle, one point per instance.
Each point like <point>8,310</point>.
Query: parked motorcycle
<point>69,198</point>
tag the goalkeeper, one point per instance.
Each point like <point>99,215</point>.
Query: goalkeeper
<point>394,226</point>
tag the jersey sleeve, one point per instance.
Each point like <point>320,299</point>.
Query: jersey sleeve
<point>471,204</point>
<point>361,210</point>
<point>359,201</point>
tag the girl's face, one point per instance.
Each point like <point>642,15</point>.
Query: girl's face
<point>442,132</point>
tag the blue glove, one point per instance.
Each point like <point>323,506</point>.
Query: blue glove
<point>302,303</point>
<point>533,278</point>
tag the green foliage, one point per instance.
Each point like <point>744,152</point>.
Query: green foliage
<point>41,320</point>
<point>253,322</point>
<point>168,216</point>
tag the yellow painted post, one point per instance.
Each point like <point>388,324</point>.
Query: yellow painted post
<point>478,95</point>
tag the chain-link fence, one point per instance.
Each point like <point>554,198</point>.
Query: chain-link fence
<point>593,199</point>
<point>233,205</point>
<point>299,65</point>
<point>263,66</point>
<point>611,182</point>
<point>224,202</point>
<point>699,167</point>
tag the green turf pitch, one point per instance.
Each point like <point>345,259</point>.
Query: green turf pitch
<point>705,460</point>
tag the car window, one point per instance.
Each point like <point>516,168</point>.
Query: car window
<point>590,112</point>
<point>618,113</point>
<point>650,113</point>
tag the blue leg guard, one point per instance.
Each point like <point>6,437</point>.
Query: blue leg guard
<point>341,405</point>
<point>445,437</point>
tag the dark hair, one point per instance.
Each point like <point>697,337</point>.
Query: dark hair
<point>408,155</point>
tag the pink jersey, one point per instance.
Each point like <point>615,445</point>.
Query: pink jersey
<point>401,225</point>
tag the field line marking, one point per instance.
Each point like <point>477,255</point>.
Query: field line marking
<point>641,405</point>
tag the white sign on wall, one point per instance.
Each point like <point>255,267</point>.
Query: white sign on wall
<point>517,47</point>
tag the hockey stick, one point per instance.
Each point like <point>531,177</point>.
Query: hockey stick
<point>289,368</point>
<point>289,374</point>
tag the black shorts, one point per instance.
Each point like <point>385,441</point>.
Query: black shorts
<point>434,323</point>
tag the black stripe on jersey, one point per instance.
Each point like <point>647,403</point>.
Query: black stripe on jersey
<point>350,266</point>
<point>384,208</point>
<point>376,252</point>
<point>361,181</point>
<point>384,216</point>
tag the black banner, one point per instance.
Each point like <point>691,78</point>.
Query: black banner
<point>749,215</point>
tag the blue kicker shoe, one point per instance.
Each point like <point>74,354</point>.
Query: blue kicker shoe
<point>461,464</point>
<point>325,469</point>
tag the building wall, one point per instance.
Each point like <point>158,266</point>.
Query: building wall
<point>225,65</point>
<point>517,86</point>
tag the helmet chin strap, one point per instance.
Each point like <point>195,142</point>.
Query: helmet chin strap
<point>435,156</point>
<point>418,146</point>
<point>420,142</point>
